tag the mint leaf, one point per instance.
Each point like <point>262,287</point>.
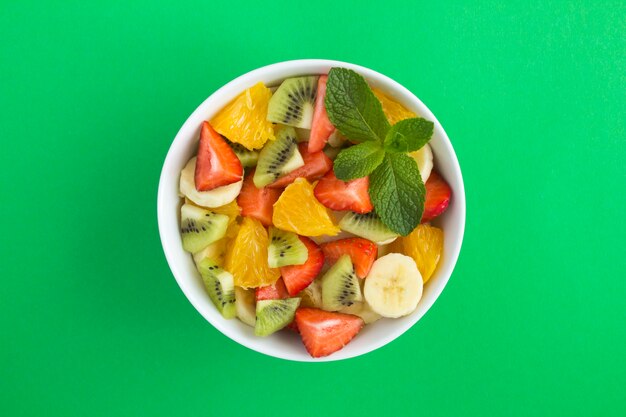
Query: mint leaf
<point>396,141</point>
<point>353,108</point>
<point>408,135</point>
<point>398,193</point>
<point>358,161</point>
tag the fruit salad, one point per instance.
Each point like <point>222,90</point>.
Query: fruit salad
<point>308,208</point>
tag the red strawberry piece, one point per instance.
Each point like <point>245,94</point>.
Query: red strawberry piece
<point>324,332</point>
<point>217,165</point>
<point>344,195</point>
<point>257,202</point>
<point>298,277</point>
<point>315,165</point>
<point>321,128</point>
<point>362,252</point>
<point>438,194</point>
<point>276,291</point>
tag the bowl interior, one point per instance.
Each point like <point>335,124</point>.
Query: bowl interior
<point>287,345</point>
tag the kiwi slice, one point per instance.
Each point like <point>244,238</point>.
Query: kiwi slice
<point>247,157</point>
<point>340,285</point>
<point>273,315</point>
<point>293,102</point>
<point>200,228</point>
<point>368,226</point>
<point>220,286</point>
<point>285,249</point>
<point>277,158</point>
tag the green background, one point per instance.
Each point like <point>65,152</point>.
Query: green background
<point>533,98</point>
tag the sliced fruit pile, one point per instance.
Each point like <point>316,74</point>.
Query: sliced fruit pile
<point>280,241</point>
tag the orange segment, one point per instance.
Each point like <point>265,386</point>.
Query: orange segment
<point>392,109</point>
<point>297,210</point>
<point>232,210</point>
<point>246,256</point>
<point>244,120</point>
<point>424,245</point>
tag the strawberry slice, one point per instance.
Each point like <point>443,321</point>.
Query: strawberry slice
<point>324,332</point>
<point>257,202</point>
<point>298,277</point>
<point>362,252</point>
<point>438,194</point>
<point>217,165</point>
<point>276,291</point>
<point>341,195</point>
<point>321,127</point>
<point>315,165</point>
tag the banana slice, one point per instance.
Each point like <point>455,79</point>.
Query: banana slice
<point>214,198</point>
<point>363,310</point>
<point>245,305</point>
<point>394,286</point>
<point>424,159</point>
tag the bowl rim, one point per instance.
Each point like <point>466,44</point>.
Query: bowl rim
<point>298,67</point>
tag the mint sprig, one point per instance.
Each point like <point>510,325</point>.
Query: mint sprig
<point>396,187</point>
<point>353,108</point>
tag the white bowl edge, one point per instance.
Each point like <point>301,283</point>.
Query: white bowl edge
<point>285,345</point>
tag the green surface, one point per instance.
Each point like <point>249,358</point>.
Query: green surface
<point>533,98</point>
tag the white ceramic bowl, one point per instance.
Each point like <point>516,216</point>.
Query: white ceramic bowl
<point>287,345</point>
